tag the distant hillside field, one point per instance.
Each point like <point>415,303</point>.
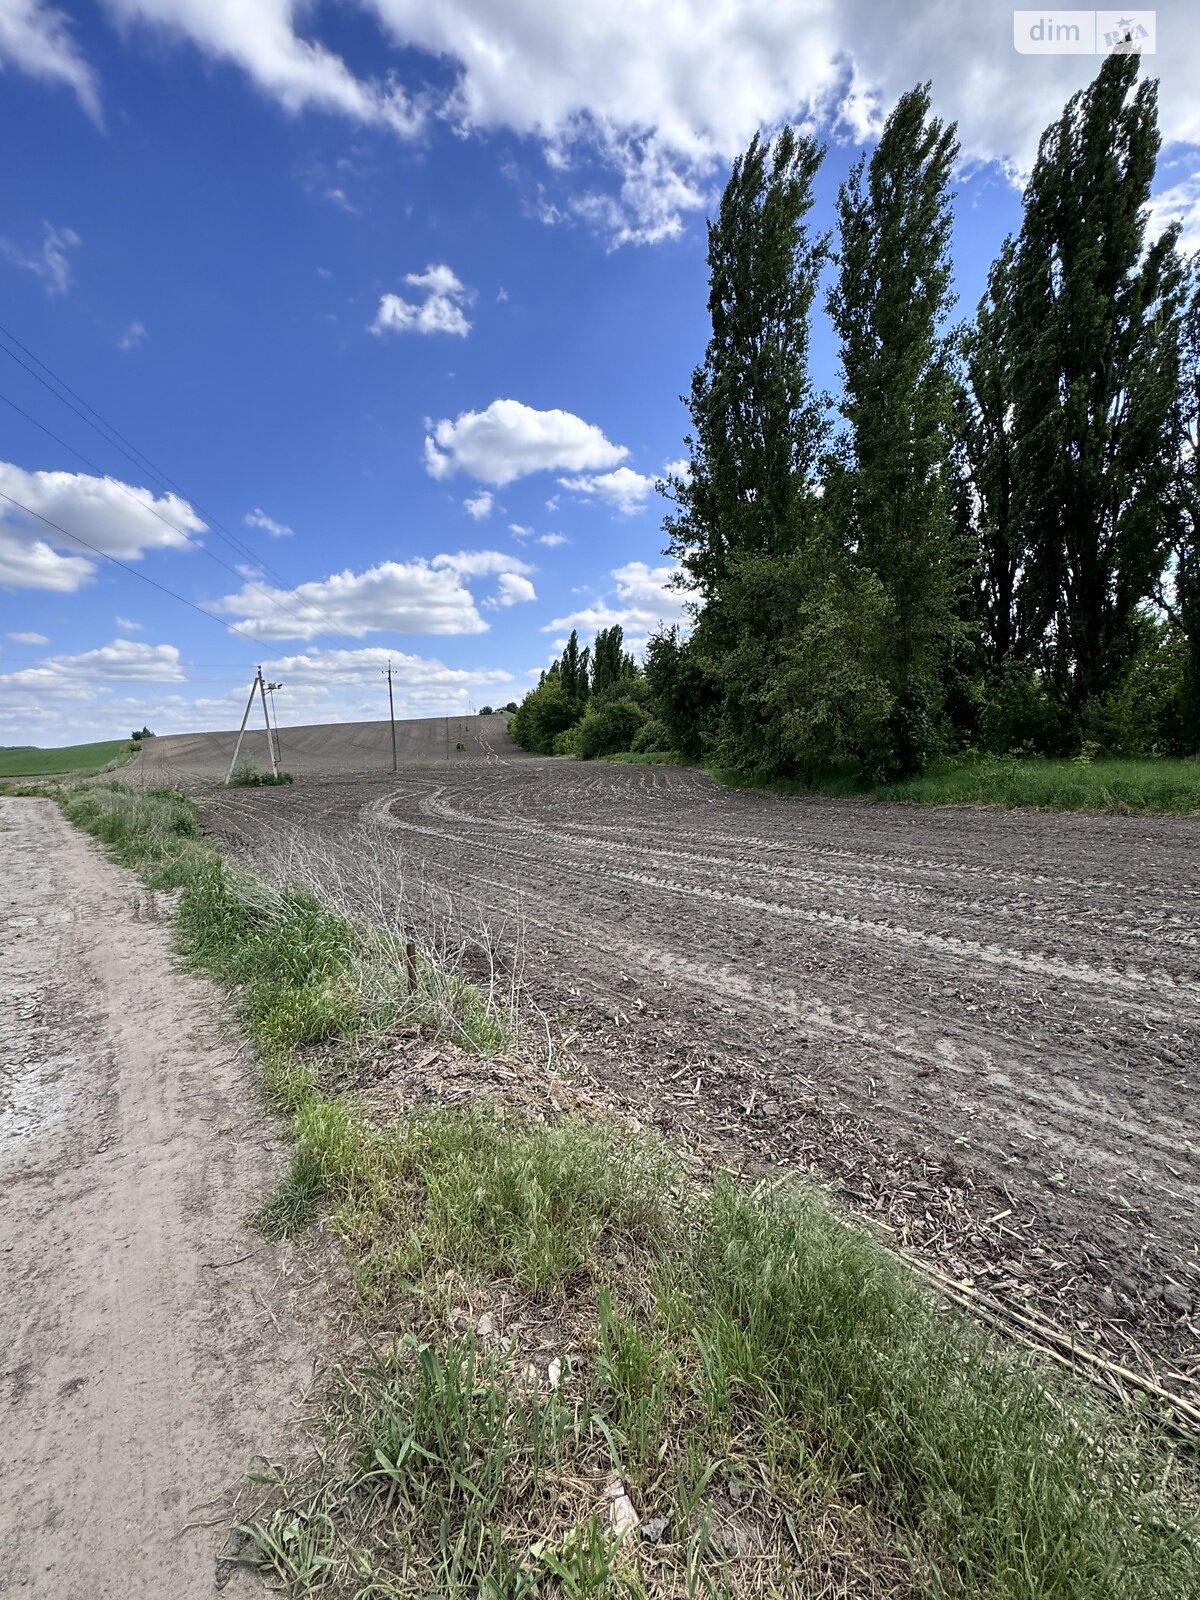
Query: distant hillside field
<point>33,763</point>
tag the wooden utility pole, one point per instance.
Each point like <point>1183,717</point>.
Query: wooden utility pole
<point>392,714</point>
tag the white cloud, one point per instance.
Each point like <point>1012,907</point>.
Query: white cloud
<point>481,563</point>
<point>119,519</point>
<point>36,39</point>
<point>400,596</point>
<point>552,540</point>
<point>49,261</point>
<point>127,625</point>
<point>440,311</point>
<point>662,95</point>
<point>261,38</point>
<point>509,440</point>
<point>625,489</point>
<point>122,661</point>
<point>680,468</point>
<point>134,335</point>
<point>1180,203</point>
<point>645,598</point>
<point>519,530</point>
<point>258,518</point>
<point>28,638</point>
<point>513,590</point>
<point>479,505</point>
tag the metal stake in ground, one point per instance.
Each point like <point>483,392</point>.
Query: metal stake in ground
<point>241,731</point>
<point>391,714</point>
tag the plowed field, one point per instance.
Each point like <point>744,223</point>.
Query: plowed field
<point>981,1027</point>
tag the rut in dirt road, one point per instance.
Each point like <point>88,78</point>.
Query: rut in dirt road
<point>149,1344</point>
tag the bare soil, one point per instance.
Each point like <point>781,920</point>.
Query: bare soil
<point>981,1027</point>
<point>150,1343</point>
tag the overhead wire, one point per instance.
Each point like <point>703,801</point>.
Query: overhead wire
<point>114,437</point>
<point>155,512</point>
<point>230,627</point>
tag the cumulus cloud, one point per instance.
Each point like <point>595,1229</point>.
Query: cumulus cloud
<point>479,505</point>
<point>122,661</point>
<point>645,598</point>
<point>36,39</point>
<point>441,311</point>
<point>28,638</point>
<point>117,518</point>
<point>400,596</point>
<point>299,74</point>
<point>127,625</point>
<point>656,97</point>
<point>481,563</point>
<point>552,540</point>
<point>509,440</point>
<point>49,260</point>
<point>258,518</point>
<point>513,590</point>
<point>625,489</point>
<point>134,335</point>
<point>319,686</point>
<point>1179,203</point>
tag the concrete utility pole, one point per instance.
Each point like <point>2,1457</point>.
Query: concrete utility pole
<point>242,730</point>
<point>271,688</point>
<point>262,689</point>
<point>391,714</point>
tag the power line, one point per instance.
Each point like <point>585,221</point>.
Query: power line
<point>111,434</point>
<point>124,565</point>
<point>155,512</point>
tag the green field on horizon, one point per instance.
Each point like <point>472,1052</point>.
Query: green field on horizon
<point>27,761</point>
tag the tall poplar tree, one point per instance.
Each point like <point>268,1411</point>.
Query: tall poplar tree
<point>1096,382</point>
<point>757,429</point>
<point>890,485</point>
<point>984,418</point>
<point>1180,590</point>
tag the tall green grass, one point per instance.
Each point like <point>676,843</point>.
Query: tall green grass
<point>774,1393</point>
<point>1157,785</point>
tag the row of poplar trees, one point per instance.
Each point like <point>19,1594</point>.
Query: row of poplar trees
<point>989,539</point>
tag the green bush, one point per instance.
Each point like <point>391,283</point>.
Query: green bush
<point>1019,713</point>
<point>543,714</point>
<point>567,744</point>
<point>652,735</point>
<point>610,729</point>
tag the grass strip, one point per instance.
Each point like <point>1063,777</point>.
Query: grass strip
<point>1010,782</point>
<point>762,1396</point>
<point>30,762</point>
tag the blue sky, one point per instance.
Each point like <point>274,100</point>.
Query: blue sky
<point>401,299</point>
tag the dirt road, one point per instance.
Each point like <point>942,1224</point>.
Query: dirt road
<point>148,1344</point>
<point>982,1027</point>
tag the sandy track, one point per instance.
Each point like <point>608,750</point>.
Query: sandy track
<point>142,1363</point>
<point>982,1026</point>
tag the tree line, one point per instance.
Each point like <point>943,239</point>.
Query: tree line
<point>988,538</point>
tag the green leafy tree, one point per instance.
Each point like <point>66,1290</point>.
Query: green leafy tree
<point>544,713</point>
<point>1096,386</point>
<point>891,479</point>
<point>1179,590</point>
<point>983,426</point>
<point>757,428</point>
<point>574,670</point>
<point>612,668</point>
